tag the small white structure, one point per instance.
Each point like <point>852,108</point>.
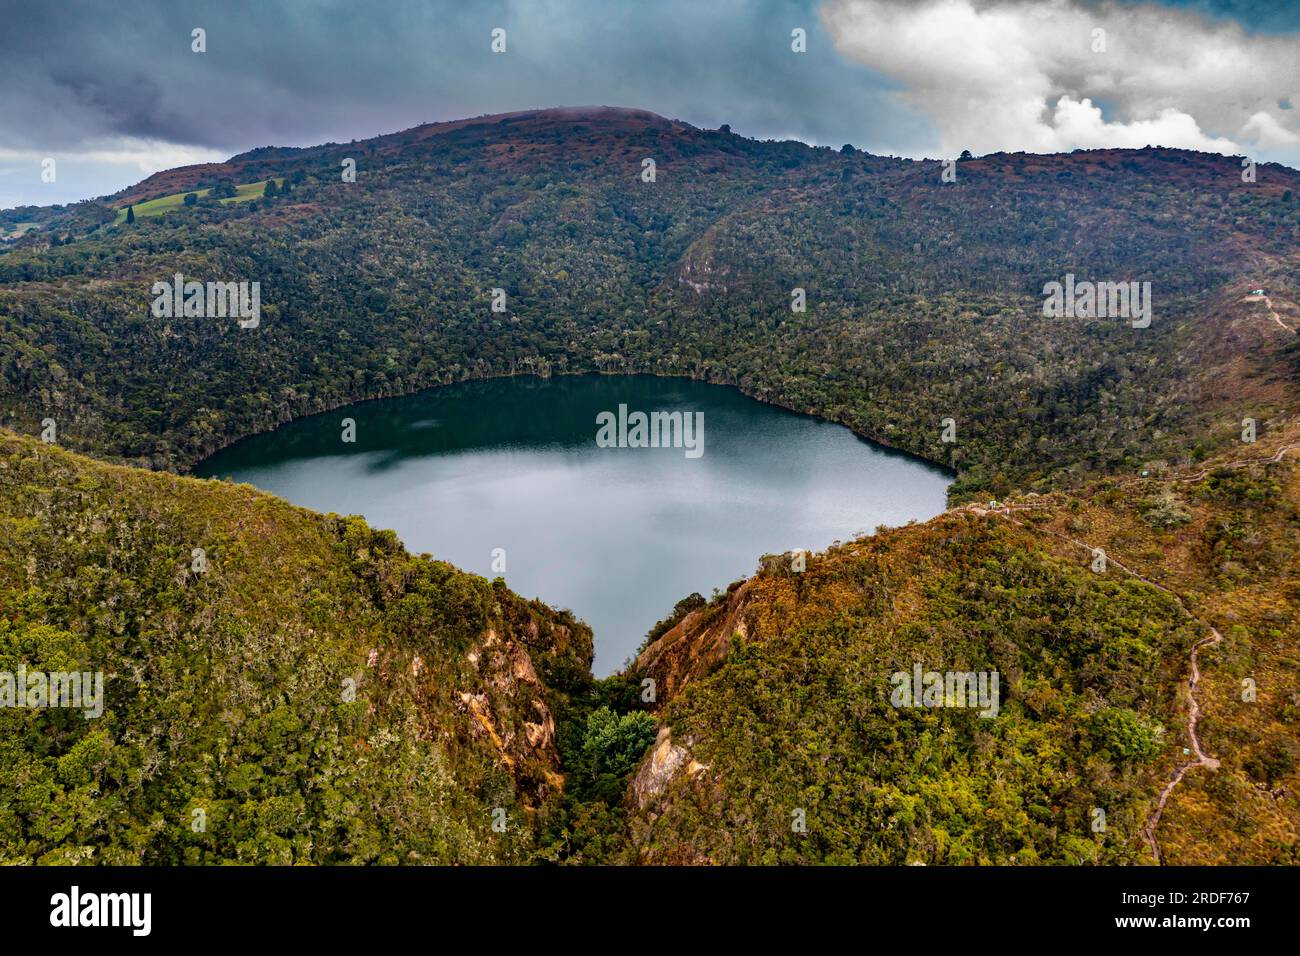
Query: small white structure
<point>1256,292</point>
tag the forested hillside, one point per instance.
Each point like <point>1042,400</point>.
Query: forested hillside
<point>227,687</point>
<point>924,298</point>
<point>776,698</point>
<point>308,692</point>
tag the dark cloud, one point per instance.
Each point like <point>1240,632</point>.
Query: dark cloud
<point>305,71</point>
<point>114,91</point>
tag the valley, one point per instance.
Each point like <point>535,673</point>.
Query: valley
<point>923,305</point>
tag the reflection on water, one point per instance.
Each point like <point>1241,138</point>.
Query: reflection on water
<point>617,534</point>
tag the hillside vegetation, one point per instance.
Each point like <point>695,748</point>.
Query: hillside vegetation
<point>766,733</point>
<point>226,691</point>
<point>777,697</point>
<point>924,298</point>
<point>164,204</point>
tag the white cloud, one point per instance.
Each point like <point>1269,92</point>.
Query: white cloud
<point>1269,133</point>
<point>95,168</point>
<point>140,155</point>
<point>1080,123</point>
<point>1024,74</point>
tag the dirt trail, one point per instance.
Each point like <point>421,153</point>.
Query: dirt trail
<point>1199,757</point>
<point>1274,459</point>
<point>1268,303</point>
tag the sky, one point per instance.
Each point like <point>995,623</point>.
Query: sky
<point>113,91</point>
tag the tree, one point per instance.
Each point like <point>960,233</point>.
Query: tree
<point>191,198</point>
<point>270,190</point>
<point>965,154</point>
<point>611,748</point>
<point>130,214</point>
<point>1124,735</point>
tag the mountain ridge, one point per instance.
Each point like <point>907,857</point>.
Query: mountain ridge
<point>922,306</point>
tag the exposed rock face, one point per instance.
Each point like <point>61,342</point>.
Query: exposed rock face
<point>697,644</point>
<point>666,762</point>
<point>665,770</point>
<point>703,277</point>
<point>510,710</point>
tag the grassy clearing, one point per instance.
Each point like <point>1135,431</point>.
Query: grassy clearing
<point>22,228</point>
<point>163,204</point>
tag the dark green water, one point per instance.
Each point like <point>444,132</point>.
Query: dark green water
<point>618,534</point>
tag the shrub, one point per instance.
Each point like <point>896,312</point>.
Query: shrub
<point>1124,735</point>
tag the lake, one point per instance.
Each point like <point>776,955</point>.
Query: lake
<point>517,472</point>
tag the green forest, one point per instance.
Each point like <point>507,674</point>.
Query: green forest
<point>310,692</point>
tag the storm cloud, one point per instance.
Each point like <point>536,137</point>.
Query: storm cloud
<point>117,80</point>
<point>114,91</point>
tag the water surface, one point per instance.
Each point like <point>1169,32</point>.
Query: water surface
<point>618,535</point>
